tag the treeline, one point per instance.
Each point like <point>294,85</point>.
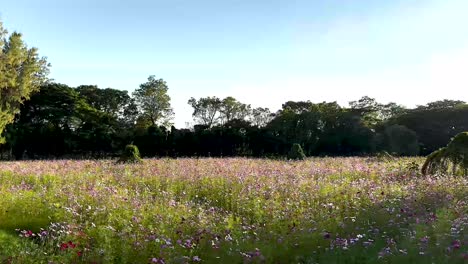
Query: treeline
<point>88,122</point>
<point>39,119</point>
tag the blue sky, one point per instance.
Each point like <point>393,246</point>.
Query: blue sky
<point>262,52</point>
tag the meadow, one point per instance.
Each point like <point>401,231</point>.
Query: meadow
<point>232,210</point>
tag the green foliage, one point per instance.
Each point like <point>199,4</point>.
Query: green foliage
<point>323,128</point>
<point>211,111</point>
<point>48,119</point>
<point>131,154</point>
<point>26,213</point>
<point>154,102</point>
<point>435,124</point>
<point>322,210</point>
<point>451,159</point>
<point>86,121</point>
<point>232,109</point>
<point>401,141</point>
<point>373,113</point>
<point>412,168</point>
<point>442,104</point>
<point>368,108</point>
<point>261,116</point>
<point>22,71</point>
<point>206,110</point>
<point>115,103</point>
<point>435,162</point>
<point>296,152</point>
<point>8,243</point>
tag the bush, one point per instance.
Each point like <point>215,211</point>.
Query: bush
<point>452,159</point>
<point>412,169</point>
<point>131,154</point>
<point>296,152</point>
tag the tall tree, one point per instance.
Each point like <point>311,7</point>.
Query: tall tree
<point>116,103</point>
<point>297,107</point>
<point>206,110</point>
<point>22,72</point>
<point>434,127</point>
<point>368,108</point>
<point>391,110</point>
<point>47,121</point>
<point>154,102</point>
<point>232,109</point>
<point>373,113</point>
<point>441,104</point>
<point>260,116</point>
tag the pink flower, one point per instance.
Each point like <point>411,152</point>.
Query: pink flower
<point>28,233</point>
<point>456,244</point>
<point>63,246</point>
<point>157,260</point>
<point>71,245</point>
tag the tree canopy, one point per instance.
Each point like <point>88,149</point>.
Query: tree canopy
<point>42,119</point>
<point>88,121</point>
<point>22,72</point>
<point>154,102</point>
<point>206,111</point>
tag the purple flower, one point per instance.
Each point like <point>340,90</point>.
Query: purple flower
<point>424,239</point>
<point>456,244</point>
<point>158,260</point>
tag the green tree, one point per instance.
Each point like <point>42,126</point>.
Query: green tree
<point>441,104</point>
<point>115,103</point>
<point>401,140</point>
<point>47,121</point>
<point>297,107</point>
<point>153,101</point>
<point>22,72</point>
<point>299,122</point>
<point>434,126</point>
<point>373,112</point>
<point>232,109</point>
<point>109,101</point>
<point>260,116</point>
<point>368,109</point>
<point>391,110</point>
<point>206,110</point>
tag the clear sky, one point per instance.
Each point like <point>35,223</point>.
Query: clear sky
<point>262,52</point>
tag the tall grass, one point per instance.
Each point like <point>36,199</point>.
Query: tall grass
<point>327,210</point>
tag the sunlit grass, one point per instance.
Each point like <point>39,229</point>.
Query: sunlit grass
<point>327,210</point>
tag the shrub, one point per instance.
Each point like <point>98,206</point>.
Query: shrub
<point>453,158</point>
<point>131,154</point>
<point>412,168</point>
<point>296,152</point>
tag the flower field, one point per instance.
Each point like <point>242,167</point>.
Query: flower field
<point>321,210</point>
